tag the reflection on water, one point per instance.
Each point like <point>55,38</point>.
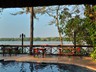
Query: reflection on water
<point>39,67</point>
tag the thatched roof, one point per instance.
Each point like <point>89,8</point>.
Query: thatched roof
<point>29,3</point>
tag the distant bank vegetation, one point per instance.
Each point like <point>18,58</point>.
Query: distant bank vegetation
<point>35,39</point>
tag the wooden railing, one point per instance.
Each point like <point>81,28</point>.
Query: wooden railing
<point>46,45</point>
<point>47,49</point>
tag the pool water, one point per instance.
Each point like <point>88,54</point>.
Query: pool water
<point>12,66</point>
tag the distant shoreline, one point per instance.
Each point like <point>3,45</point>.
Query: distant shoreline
<point>35,39</point>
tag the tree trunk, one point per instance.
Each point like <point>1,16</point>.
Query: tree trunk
<point>57,22</point>
<point>31,30</point>
<point>75,41</point>
<point>61,40</point>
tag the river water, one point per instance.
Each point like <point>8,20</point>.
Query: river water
<point>34,42</point>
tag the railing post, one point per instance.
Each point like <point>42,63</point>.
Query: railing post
<point>3,48</point>
<point>51,50</point>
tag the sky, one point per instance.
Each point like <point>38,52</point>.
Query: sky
<point>12,26</point>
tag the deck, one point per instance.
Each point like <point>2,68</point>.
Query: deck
<point>76,60</point>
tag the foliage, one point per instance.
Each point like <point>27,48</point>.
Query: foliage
<point>90,12</point>
<point>60,15</point>
<point>85,28</point>
<point>67,51</point>
<point>93,54</point>
<point>35,39</point>
<point>82,30</point>
<point>55,13</point>
<point>72,25</point>
<point>82,52</point>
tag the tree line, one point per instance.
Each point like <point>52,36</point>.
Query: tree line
<point>34,39</point>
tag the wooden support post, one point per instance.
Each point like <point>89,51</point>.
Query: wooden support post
<point>31,29</point>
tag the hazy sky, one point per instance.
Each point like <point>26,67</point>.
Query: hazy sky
<point>13,26</point>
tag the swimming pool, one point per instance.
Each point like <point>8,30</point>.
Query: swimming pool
<point>13,66</point>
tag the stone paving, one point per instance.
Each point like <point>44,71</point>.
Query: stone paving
<point>80,61</point>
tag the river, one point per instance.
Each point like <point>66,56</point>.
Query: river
<point>34,42</point>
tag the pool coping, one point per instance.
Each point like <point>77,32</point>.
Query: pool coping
<point>61,63</point>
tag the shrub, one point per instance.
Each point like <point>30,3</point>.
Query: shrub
<point>93,54</point>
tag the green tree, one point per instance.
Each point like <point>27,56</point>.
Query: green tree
<point>90,13</point>
<point>84,28</point>
<point>78,24</point>
<point>69,21</point>
<point>55,13</point>
<point>71,26</point>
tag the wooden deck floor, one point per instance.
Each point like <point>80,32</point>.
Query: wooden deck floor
<point>80,61</point>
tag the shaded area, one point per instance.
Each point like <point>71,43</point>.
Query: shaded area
<point>29,3</point>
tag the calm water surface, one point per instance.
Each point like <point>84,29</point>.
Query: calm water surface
<point>39,67</point>
<point>35,42</point>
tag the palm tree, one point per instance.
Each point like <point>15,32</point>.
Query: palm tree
<point>33,13</point>
<point>31,29</point>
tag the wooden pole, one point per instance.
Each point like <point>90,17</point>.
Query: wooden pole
<point>31,30</point>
